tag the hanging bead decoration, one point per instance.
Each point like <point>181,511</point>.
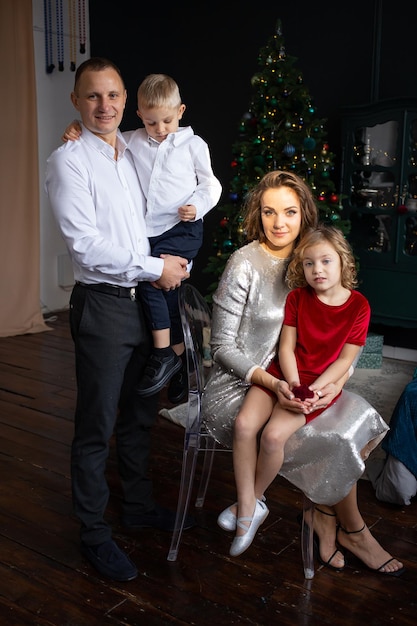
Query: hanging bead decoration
<point>60,34</point>
<point>81,25</point>
<point>47,14</point>
<point>70,30</point>
<point>72,34</point>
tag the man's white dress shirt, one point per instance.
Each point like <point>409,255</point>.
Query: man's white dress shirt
<point>100,209</point>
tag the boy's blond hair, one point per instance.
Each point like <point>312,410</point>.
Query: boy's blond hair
<point>158,90</point>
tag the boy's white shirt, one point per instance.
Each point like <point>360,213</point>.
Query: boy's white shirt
<point>173,173</point>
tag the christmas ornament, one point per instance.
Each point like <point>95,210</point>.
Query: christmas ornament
<point>309,143</point>
<point>288,150</point>
<point>227,245</point>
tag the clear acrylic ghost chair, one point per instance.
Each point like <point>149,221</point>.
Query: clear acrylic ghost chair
<point>196,324</point>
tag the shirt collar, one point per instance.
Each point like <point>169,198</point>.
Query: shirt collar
<point>103,146</point>
<point>176,138</point>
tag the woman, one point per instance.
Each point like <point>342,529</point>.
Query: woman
<point>248,311</point>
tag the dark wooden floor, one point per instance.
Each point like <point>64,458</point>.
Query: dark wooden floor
<point>44,580</point>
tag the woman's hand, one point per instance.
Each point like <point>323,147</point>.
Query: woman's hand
<point>323,396</point>
<point>287,399</point>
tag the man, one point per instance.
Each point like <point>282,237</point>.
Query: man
<point>99,207</point>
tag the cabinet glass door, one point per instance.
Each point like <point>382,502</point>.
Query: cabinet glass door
<point>380,187</point>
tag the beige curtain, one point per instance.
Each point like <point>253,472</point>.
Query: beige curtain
<point>19,183</point>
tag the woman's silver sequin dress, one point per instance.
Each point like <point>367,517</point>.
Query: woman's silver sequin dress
<point>324,458</point>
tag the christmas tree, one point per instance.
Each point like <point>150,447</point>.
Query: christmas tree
<point>280,130</point>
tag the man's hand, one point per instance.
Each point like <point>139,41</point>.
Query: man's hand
<point>174,272</point>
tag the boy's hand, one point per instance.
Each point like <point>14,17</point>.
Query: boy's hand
<point>72,132</point>
<point>187,212</point>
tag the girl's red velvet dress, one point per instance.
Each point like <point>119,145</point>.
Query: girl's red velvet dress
<point>322,331</point>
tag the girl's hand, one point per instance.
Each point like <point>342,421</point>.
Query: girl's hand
<point>287,399</point>
<point>283,390</point>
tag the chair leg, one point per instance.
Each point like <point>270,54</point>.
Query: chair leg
<point>209,450</point>
<point>307,532</point>
<point>186,486</point>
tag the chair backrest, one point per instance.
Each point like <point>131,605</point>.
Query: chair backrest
<point>196,324</point>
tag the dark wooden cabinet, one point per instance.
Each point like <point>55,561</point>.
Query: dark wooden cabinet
<point>379,185</point>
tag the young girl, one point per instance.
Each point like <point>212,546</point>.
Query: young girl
<point>325,324</point>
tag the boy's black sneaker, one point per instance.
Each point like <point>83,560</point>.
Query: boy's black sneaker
<point>159,370</point>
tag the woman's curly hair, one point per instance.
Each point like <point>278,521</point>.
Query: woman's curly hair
<point>323,233</point>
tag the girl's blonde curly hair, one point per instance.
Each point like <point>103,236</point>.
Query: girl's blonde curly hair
<point>323,233</point>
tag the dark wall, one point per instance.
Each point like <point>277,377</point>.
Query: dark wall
<point>211,49</point>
